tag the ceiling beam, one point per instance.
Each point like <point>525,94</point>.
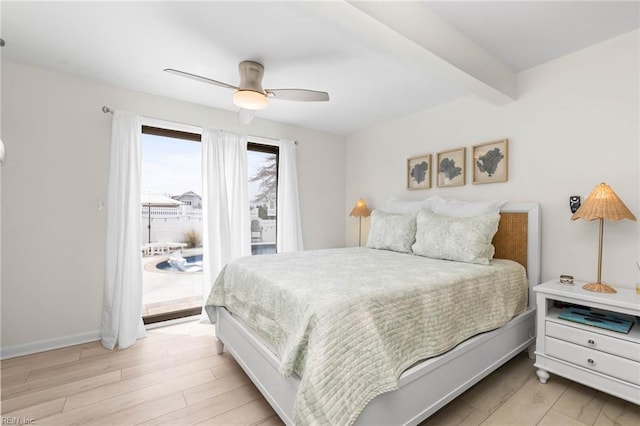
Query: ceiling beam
<point>409,30</point>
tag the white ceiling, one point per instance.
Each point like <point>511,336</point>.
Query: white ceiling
<point>523,34</point>
<point>377,60</point>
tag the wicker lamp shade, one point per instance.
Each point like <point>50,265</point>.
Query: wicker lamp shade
<point>360,210</point>
<point>603,203</point>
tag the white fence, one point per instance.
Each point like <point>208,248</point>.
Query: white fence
<point>171,211</point>
<point>173,223</point>
<point>267,234</point>
<point>172,227</point>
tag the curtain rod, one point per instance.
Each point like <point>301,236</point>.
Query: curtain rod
<point>108,110</point>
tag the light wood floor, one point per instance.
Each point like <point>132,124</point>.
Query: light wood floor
<point>174,377</point>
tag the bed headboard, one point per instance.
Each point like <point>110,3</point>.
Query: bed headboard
<point>511,239</point>
<point>518,238</point>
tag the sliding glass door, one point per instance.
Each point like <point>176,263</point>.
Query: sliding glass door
<point>171,218</point>
<point>171,215</point>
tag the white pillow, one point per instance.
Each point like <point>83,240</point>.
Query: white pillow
<point>464,239</point>
<point>391,231</point>
<point>410,206</point>
<point>459,208</point>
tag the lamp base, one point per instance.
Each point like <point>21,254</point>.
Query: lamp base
<point>599,287</point>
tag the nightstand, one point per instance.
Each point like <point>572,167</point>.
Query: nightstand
<point>602,359</point>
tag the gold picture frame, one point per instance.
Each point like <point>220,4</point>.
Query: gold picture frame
<point>419,172</point>
<point>491,162</point>
<point>451,168</point>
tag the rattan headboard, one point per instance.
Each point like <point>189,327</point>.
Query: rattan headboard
<point>511,239</point>
<point>518,238</point>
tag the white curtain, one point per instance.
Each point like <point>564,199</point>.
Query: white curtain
<point>122,299</point>
<point>226,225</point>
<point>289,228</point>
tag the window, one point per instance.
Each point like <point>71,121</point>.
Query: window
<point>171,229</point>
<point>262,168</point>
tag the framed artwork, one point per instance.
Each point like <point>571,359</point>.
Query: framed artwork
<point>490,162</point>
<point>451,170</point>
<point>419,172</point>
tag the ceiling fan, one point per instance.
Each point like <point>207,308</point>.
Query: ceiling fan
<point>249,94</point>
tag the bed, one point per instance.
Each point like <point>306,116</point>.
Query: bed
<point>413,397</point>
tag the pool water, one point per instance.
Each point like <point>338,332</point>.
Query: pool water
<point>257,249</point>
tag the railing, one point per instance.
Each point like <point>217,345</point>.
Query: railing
<point>160,212</point>
<point>175,228</point>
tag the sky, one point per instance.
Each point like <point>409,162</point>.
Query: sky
<point>172,166</point>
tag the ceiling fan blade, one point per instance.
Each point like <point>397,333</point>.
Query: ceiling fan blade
<point>301,95</point>
<point>200,78</point>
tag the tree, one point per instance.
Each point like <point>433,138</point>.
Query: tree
<point>267,177</point>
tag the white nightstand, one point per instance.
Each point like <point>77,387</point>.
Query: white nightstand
<point>603,359</point>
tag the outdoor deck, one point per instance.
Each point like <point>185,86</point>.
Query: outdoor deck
<point>169,291</point>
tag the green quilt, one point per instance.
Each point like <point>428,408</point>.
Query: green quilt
<point>350,321</point>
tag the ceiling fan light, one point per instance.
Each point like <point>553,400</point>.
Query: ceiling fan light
<point>245,116</point>
<point>250,99</point>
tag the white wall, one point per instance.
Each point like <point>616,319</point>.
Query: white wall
<point>574,125</point>
<point>57,141</point>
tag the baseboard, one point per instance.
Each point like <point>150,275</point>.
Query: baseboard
<point>49,344</point>
<point>76,339</point>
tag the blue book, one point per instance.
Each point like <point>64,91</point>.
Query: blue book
<point>596,318</point>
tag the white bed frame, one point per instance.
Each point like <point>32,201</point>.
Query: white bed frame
<point>425,387</point>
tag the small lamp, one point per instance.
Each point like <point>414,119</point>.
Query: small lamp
<point>602,203</point>
<point>360,210</point>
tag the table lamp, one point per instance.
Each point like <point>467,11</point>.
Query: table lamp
<point>360,210</point>
<point>602,203</point>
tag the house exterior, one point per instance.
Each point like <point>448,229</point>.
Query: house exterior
<point>189,198</point>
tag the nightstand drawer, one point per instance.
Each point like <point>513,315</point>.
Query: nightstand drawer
<point>604,363</point>
<point>594,340</point>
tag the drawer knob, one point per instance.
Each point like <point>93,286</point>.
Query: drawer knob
<point>590,361</point>
<point>591,342</point>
